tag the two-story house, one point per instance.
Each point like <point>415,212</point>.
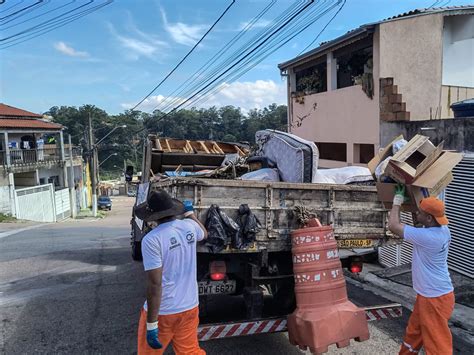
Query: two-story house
<point>409,67</point>
<point>36,167</point>
<point>353,94</point>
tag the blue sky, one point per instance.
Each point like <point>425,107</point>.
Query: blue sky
<point>113,57</point>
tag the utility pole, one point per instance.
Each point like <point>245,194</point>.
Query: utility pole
<point>72,188</point>
<point>125,180</point>
<point>92,168</point>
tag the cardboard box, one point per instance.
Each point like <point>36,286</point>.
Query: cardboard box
<point>413,159</point>
<point>382,155</point>
<point>436,177</point>
<point>386,193</point>
<point>433,174</point>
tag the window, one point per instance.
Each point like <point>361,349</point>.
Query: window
<point>332,151</point>
<point>353,62</point>
<point>363,153</point>
<point>312,79</point>
<point>54,180</point>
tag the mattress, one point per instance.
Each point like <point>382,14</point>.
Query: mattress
<point>295,158</point>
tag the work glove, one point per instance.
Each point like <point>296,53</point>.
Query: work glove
<point>399,197</point>
<point>152,335</point>
<point>188,208</point>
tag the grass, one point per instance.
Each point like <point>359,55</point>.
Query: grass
<point>87,213</point>
<point>5,218</point>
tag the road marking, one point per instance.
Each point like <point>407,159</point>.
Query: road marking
<point>15,231</point>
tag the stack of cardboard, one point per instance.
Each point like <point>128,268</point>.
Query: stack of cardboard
<point>425,170</point>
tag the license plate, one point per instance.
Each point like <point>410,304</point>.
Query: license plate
<point>216,287</point>
<point>355,243</point>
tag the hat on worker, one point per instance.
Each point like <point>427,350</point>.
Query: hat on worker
<point>159,205</point>
<point>434,207</point>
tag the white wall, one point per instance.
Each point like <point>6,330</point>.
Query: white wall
<point>458,50</point>
<point>5,207</point>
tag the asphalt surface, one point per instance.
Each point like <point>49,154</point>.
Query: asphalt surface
<point>72,288</point>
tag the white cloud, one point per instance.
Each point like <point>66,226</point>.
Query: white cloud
<point>246,95</point>
<point>67,50</point>
<point>182,33</point>
<point>143,45</point>
<point>259,24</point>
<point>249,95</point>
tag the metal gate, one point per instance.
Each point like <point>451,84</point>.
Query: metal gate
<point>459,199</point>
<point>396,255</point>
<point>459,203</point>
<point>35,203</point>
<point>63,204</point>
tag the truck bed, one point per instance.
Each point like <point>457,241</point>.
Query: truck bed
<point>354,211</point>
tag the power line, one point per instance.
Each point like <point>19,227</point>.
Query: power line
<point>271,46</point>
<point>45,23</point>
<point>197,74</point>
<point>11,7</point>
<point>44,13</point>
<point>23,9</point>
<point>434,4</point>
<point>58,23</point>
<point>240,60</point>
<point>324,28</point>
<point>238,53</point>
<point>184,58</point>
<point>295,31</point>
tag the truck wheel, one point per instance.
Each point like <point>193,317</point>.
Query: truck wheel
<point>284,296</point>
<point>137,251</point>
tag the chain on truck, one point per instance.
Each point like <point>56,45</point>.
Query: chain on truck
<point>244,291</point>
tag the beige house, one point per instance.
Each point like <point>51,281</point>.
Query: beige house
<point>410,67</point>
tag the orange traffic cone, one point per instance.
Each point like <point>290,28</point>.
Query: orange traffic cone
<point>323,315</point>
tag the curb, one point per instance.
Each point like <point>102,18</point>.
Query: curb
<point>462,319</point>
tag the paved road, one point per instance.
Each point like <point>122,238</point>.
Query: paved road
<point>72,288</point>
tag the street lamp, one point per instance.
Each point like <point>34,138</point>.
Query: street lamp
<point>111,155</point>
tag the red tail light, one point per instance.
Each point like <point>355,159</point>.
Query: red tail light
<point>356,267</point>
<point>218,270</point>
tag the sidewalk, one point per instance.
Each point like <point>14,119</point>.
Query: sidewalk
<point>396,284</point>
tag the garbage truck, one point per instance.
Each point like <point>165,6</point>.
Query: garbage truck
<point>247,287</point>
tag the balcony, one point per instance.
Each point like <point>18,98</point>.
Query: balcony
<point>28,157</point>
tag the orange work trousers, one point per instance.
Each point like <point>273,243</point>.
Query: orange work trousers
<point>428,326</point>
<point>180,329</point>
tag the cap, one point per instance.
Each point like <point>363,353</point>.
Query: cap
<point>434,207</point>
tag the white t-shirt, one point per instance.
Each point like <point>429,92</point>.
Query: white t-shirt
<point>172,246</point>
<point>429,263</point>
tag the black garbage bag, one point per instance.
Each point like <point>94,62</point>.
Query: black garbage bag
<point>249,226</point>
<point>222,230</point>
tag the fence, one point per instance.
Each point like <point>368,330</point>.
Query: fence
<point>42,203</point>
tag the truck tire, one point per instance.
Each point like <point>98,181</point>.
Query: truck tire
<point>137,251</point>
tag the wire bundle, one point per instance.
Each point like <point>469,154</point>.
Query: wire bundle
<point>28,19</point>
<point>218,70</point>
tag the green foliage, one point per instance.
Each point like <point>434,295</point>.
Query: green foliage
<point>5,218</point>
<point>226,123</point>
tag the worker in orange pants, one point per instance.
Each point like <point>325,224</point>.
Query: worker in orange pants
<point>180,329</point>
<point>171,310</point>
<point>428,326</point>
